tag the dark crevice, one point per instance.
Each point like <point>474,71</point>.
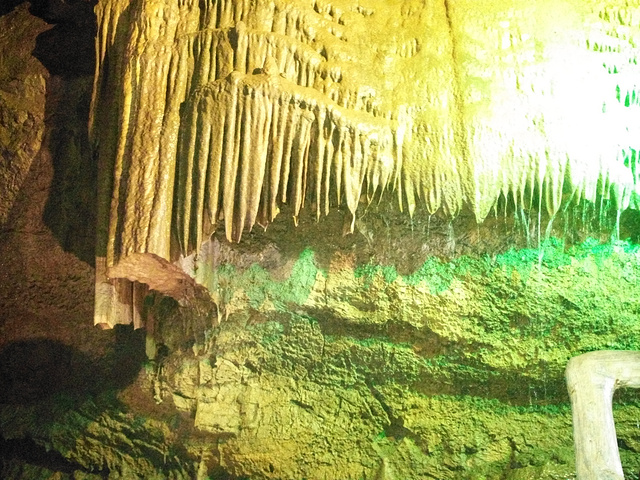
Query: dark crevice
<point>302,405</point>
<point>71,204</point>
<point>396,428</point>
<point>67,51</point>
<point>32,371</point>
<point>7,6</point>
<point>22,451</point>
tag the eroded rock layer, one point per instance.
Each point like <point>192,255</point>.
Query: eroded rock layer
<point>212,115</point>
<point>22,101</point>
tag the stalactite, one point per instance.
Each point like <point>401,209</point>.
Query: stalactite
<point>212,114</point>
<point>270,121</point>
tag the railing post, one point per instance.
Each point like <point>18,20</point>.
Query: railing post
<point>591,380</point>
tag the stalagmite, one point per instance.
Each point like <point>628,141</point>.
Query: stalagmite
<point>592,379</point>
<point>211,115</point>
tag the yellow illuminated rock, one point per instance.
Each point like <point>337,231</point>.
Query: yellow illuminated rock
<point>212,115</point>
<point>22,102</point>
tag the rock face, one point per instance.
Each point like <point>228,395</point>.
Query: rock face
<point>22,102</point>
<point>454,371</point>
<point>423,345</point>
<point>319,366</point>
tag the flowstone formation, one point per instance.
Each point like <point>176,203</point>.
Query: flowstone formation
<point>215,115</point>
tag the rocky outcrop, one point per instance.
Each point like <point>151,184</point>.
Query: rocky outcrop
<point>343,370</point>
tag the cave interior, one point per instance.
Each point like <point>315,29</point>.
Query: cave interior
<point>313,239</point>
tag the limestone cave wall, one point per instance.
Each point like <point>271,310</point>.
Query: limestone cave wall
<point>449,196</point>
